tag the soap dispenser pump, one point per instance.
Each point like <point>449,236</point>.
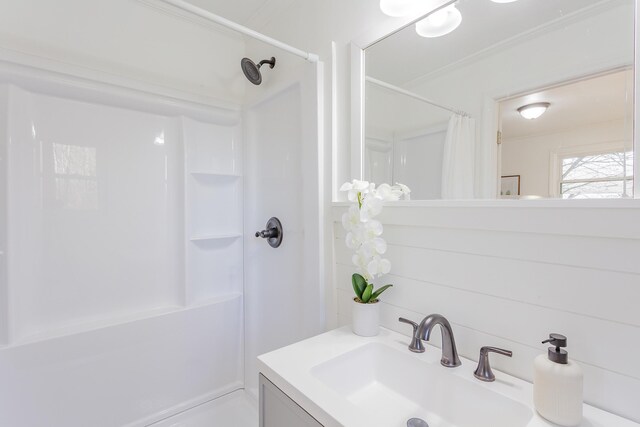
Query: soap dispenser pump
<point>557,384</point>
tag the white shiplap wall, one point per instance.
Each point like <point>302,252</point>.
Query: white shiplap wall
<point>507,274</point>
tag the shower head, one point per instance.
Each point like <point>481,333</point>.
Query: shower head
<point>252,71</point>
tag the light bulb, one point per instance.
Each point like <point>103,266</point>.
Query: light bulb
<point>440,23</point>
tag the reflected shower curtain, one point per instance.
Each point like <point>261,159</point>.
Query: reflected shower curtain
<point>458,164</point>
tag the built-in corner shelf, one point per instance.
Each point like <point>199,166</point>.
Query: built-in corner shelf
<point>213,211</point>
<point>229,236</point>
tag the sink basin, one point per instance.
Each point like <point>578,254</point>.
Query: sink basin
<point>396,386</point>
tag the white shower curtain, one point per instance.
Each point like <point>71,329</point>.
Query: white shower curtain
<point>458,167</point>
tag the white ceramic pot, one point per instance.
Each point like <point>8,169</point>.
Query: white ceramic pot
<point>366,319</point>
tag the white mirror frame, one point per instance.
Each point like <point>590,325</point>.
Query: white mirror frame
<point>358,75</point>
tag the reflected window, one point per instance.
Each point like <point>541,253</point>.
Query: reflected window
<point>600,175</point>
<point>75,176</point>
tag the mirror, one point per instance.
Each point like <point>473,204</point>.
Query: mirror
<point>526,99</point>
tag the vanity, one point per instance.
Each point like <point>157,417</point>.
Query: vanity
<point>340,379</point>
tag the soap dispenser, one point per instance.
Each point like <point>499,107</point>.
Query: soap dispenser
<point>557,384</point>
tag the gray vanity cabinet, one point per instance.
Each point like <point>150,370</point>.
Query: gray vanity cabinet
<point>278,410</point>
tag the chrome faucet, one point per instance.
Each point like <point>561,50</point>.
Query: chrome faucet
<point>450,357</point>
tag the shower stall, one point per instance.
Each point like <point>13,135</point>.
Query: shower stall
<point>132,286</point>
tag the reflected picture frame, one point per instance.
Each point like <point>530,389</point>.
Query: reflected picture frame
<point>509,186</point>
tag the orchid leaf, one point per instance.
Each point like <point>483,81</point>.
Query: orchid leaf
<point>359,284</point>
<point>377,293</point>
<point>366,295</point>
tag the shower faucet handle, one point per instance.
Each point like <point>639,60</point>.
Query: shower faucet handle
<point>273,232</point>
<point>267,234</point>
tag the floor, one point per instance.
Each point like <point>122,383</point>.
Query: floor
<point>235,409</point>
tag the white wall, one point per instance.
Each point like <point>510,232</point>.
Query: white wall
<point>123,40</point>
<point>530,156</point>
<point>418,161</point>
<point>73,179</point>
<point>390,111</point>
<point>284,286</point>
<point>378,159</point>
<point>413,159</point>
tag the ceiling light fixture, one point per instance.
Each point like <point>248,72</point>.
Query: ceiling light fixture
<point>440,23</point>
<point>533,111</point>
<point>399,8</point>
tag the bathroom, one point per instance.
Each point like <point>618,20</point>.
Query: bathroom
<point>138,162</point>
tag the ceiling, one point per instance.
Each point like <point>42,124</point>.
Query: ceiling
<point>251,13</point>
<point>405,56</point>
<point>597,100</point>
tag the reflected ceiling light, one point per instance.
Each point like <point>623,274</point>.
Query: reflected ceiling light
<point>533,111</point>
<point>503,1</point>
<point>440,23</point>
<point>398,8</point>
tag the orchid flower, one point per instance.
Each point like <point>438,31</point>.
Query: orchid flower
<point>378,266</point>
<point>363,233</point>
<point>406,192</point>
<point>387,193</point>
<point>356,189</point>
<point>371,206</point>
<point>361,261</point>
<point>351,218</point>
<point>371,229</point>
<point>373,247</point>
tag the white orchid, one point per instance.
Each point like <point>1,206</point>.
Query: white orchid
<point>406,192</point>
<point>373,247</point>
<point>356,189</point>
<point>363,233</point>
<point>371,206</point>
<point>378,266</point>
<point>351,218</point>
<point>361,261</point>
<point>371,229</point>
<point>388,193</point>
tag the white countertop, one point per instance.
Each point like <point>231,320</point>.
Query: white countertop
<point>290,369</point>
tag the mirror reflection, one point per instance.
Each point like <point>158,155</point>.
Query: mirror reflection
<point>527,99</point>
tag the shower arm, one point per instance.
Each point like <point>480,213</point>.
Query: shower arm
<point>271,62</point>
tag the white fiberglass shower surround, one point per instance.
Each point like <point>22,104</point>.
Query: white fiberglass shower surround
<point>131,284</point>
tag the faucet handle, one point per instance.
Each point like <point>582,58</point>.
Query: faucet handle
<point>483,372</point>
<point>416,343</point>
